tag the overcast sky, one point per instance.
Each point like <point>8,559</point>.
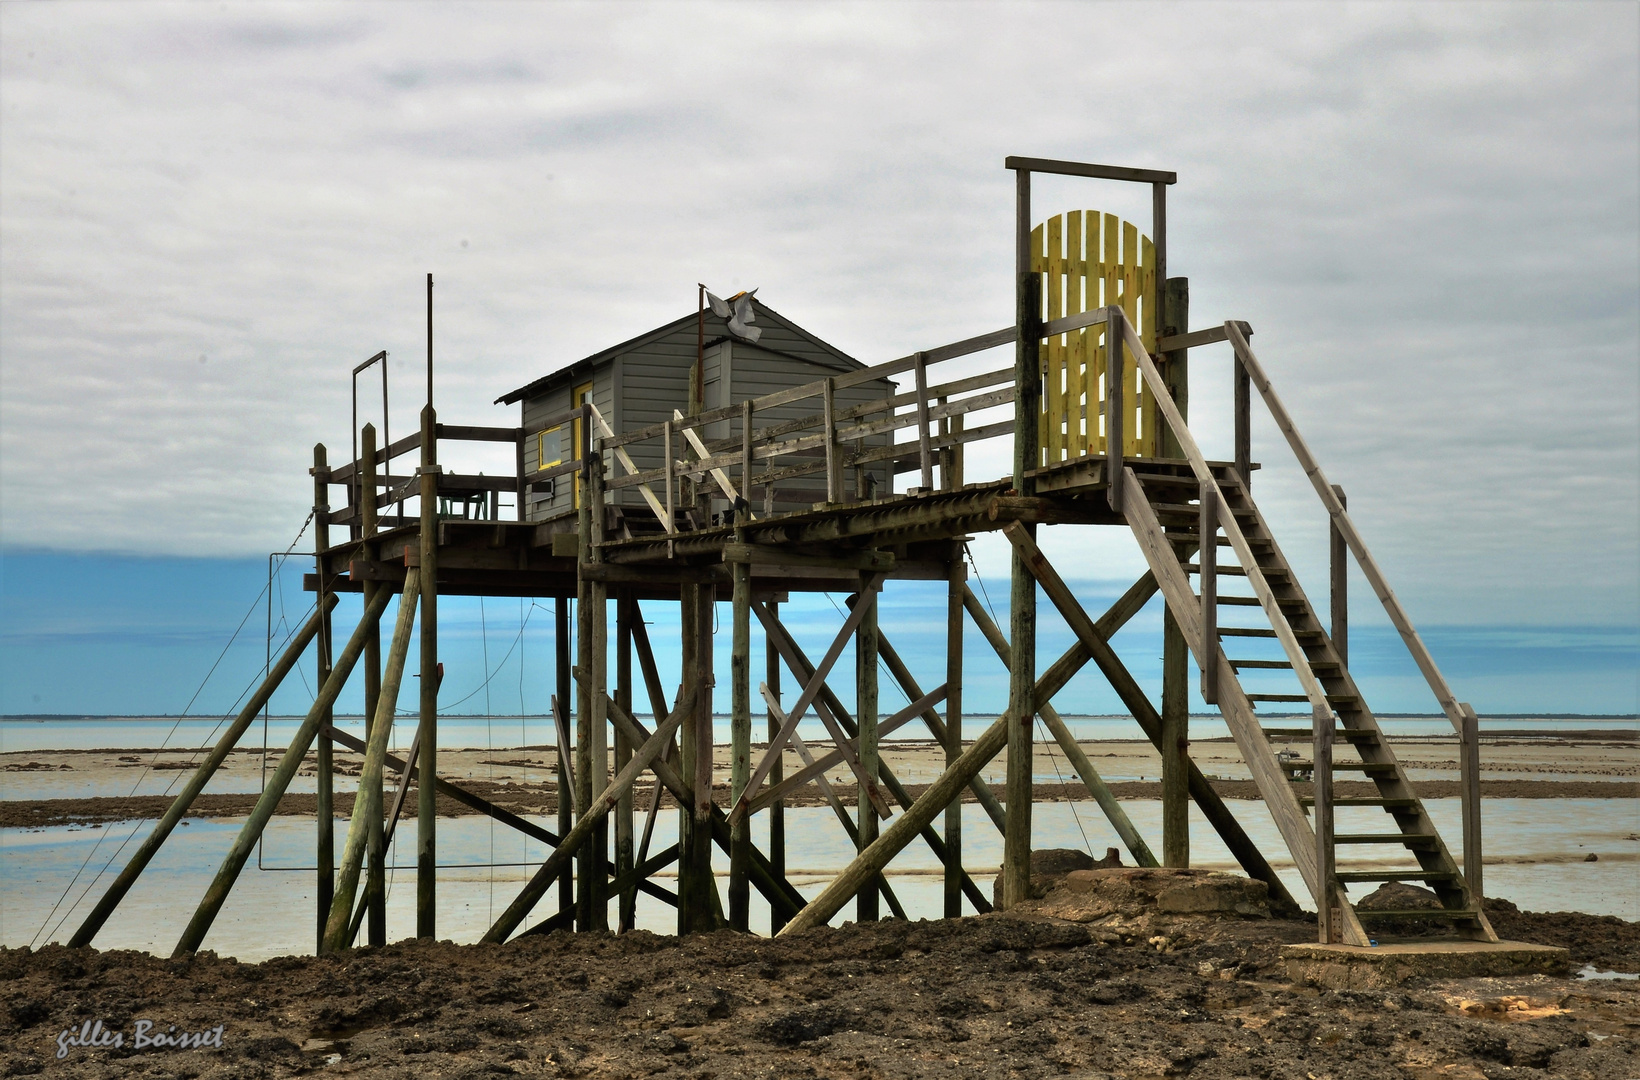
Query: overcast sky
<point>210,212</point>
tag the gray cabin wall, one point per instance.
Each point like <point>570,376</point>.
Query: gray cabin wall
<point>644,384</point>
<point>559,445</point>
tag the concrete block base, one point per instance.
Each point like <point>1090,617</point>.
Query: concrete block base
<point>1351,967</point>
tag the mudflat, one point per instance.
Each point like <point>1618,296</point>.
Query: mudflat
<point>1001,996</point>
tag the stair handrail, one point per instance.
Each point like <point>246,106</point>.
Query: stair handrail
<point>1232,529</point>
<point>1341,520</point>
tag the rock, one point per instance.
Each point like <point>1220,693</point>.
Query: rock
<point>1050,865</point>
<point>1087,895</point>
<point>1399,896</point>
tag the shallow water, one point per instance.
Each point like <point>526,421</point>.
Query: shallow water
<point>498,732</point>
<point>1534,858</point>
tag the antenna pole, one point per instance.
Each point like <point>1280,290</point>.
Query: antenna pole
<point>697,383</point>
<point>429,340</point>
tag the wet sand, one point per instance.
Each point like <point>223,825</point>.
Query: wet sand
<point>55,787</point>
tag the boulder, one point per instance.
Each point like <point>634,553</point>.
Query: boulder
<point>1050,865</point>
<point>1089,895</point>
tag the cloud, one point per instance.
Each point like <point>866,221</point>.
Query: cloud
<point>1427,212</point>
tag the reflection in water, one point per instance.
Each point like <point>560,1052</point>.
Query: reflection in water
<point>1535,858</point>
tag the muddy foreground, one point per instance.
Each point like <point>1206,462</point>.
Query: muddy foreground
<point>988,996</point>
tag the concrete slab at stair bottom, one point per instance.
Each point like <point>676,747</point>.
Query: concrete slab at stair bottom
<point>1351,967</point>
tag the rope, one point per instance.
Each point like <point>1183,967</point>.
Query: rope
<point>149,767</point>
<point>489,741</point>
<point>1046,742</point>
<point>484,686</point>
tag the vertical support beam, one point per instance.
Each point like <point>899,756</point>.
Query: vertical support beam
<point>583,678</point>
<point>1158,237</point>
<point>923,440</point>
<point>740,739</point>
<point>427,767</point>
<point>1115,405</point>
<point>1173,298</point>
<point>834,467</point>
<point>956,582</point>
<point>325,812</point>
<point>1208,557</point>
<point>1175,745</point>
<point>1016,853</point>
<point>566,800</point>
<point>624,830</point>
<point>1321,757</point>
<point>1243,394</point>
<point>598,678</point>
<point>1470,748</point>
<point>375,883</point>
<point>709,914</point>
<point>1176,364</point>
<point>690,910</point>
<point>777,809</point>
<point>1340,578</point>
<point>865,715</point>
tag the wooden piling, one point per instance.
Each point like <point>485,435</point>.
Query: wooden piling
<point>367,805</point>
<point>427,791</point>
<point>1016,848</point>
<point>740,739</point>
<point>597,882</point>
<point>777,809</point>
<point>566,797</point>
<point>217,893</point>
<point>865,718</point>
<point>376,847</point>
<point>624,830</point>
<point>324,804</point>
<point>956,582</point>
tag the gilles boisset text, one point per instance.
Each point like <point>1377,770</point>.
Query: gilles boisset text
<point>93,1034</point>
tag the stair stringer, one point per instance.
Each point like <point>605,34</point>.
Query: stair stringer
<point>1359,715</point>
<point>1285,809</point>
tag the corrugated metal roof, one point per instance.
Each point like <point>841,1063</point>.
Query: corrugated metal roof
<point>716,328</point>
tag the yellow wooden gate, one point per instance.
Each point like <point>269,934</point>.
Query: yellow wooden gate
<point>1091,260</point>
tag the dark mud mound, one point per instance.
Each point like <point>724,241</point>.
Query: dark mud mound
<point>990,996</point>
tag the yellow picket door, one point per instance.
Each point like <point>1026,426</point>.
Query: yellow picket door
<point>1090,260</point>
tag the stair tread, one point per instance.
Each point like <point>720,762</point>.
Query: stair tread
<point>1409,839</point>
<point>1345,766</point>
<point>1397,875</point>
<point>1245,631</point>
<point>1273,664</point>
<point>1417,913</point>
<point>1386,803</point>
<point>1305,733</point>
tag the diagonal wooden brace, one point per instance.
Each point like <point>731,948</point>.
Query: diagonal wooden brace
<point>600,808</point>
<point>832,758</point>
<point>1090,776</point>
<point>811,691</point>
<point>920,814</point>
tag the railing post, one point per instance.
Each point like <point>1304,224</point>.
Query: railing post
<point>1244,419</point>
<point>1340,578</point>
<point>1115,336</point>
<point>1470,748</point>
<point>834,468</point>
<point>1321,759</point>
<point>923,445</point>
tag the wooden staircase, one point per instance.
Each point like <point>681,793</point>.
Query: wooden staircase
<point>1348,722</point>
